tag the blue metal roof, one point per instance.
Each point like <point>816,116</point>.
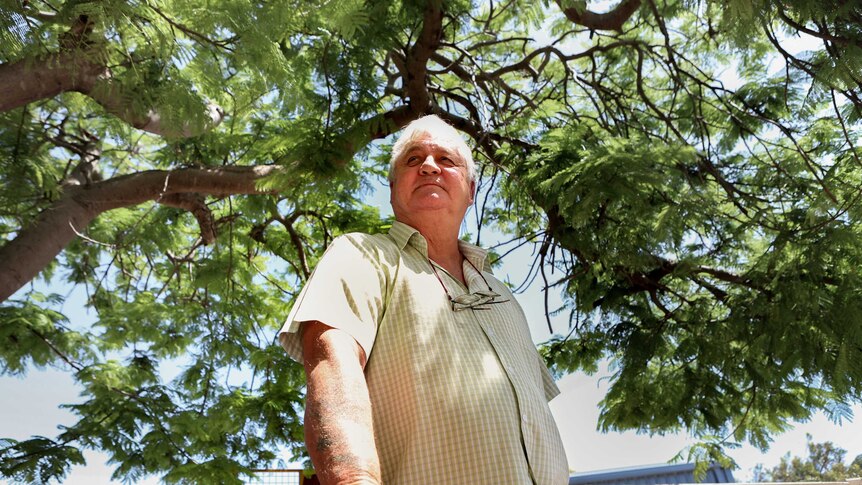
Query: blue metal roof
<point>652,475</point>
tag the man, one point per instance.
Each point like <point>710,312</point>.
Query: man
<point>419,362</point>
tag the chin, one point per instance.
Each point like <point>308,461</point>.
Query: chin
<point>430,207</point>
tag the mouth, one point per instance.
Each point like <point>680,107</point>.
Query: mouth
<point>426,184</point>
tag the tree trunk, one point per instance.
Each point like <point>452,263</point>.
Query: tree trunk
<point>34,247</point>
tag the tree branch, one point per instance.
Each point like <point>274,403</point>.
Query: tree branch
<point>36,246</point>
<point>374,128</point>
<point>612,20</point>
<point>220,44</point>
<point>196,204</point>
<point>842,41</point>
<point>32,79</point>
<point>417,58</point>
<point>297,241</point>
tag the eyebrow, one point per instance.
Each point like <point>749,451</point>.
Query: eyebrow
<point>415,146</point>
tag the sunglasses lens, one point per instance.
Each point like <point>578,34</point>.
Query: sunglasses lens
<point>475,300</point>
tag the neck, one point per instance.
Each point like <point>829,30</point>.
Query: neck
<point>444,251</point>
<point>442,242</point>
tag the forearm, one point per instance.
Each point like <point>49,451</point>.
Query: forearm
<point>339,430</point>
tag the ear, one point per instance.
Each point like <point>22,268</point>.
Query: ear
<point>472,191</point>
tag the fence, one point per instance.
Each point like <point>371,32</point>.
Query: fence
<point>280,477</point>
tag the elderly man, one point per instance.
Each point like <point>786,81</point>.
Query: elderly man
<point>420,364</point>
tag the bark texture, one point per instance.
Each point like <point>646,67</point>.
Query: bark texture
<point>416,63</point>
<point>612,20</point>
<point>28,80</point>
<point>37,245</point>
<point>34,79</point>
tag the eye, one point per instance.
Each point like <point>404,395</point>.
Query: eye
<point>412,161</point>
<point>447,161</point>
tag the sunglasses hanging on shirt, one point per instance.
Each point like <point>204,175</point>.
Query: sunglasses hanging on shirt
<point>473,301</point>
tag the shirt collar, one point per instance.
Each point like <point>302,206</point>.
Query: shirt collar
<point>403,235</point>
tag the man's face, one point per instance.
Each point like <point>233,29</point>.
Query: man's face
<point>430,178</point>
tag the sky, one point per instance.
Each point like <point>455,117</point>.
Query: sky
<point>29,405</point>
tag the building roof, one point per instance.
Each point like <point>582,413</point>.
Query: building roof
<point>652,475</point>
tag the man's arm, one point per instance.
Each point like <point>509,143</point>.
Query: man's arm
<point>338,425</point>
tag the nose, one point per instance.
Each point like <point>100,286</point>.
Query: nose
<point>429,166</point>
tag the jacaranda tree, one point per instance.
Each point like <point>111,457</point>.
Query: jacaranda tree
<point>686,170</point>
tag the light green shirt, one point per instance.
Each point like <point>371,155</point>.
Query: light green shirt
<point>457,396</point>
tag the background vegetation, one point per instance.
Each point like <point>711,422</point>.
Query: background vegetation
<point>825,463</point>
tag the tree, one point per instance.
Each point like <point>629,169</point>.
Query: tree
<point>825,463</point>
<point>187,162</point>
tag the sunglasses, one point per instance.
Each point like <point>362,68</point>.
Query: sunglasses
<point>473,301</point>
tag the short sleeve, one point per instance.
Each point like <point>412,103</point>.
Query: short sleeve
<point>347,291</point>
<point>550,387</point>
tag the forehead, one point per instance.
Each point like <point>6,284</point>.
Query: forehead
<point>429,143</point>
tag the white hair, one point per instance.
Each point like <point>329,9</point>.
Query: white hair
<point>442,132</point>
